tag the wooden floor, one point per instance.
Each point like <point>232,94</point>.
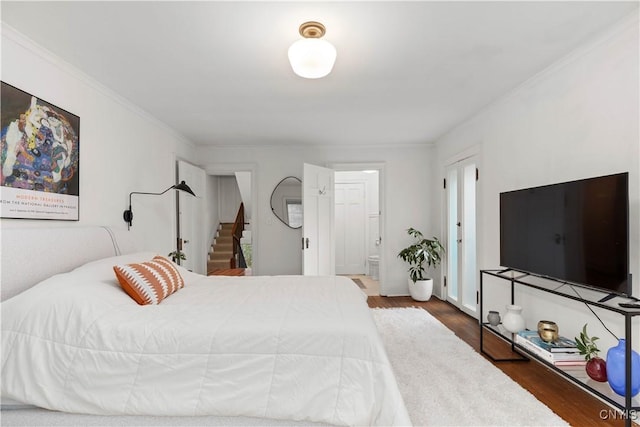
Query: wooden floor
<point>228,272</point>
<point>569,401</point>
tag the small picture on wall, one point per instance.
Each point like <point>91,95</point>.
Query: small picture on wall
<point>40,158</point>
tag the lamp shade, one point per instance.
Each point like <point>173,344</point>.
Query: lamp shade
<point>184,187</point>
<point>312,58</point>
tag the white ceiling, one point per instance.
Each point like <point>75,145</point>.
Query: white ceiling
<point>406,72</point>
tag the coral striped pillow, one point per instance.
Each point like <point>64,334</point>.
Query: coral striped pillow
<point>149,282</point>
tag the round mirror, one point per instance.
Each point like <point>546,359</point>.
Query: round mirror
<point>286,201</point>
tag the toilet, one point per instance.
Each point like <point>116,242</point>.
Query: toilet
<point>374,270</point>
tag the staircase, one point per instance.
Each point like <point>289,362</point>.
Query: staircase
<point>221,249</point>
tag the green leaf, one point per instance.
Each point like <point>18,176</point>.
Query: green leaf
<point>586,345</point>
<point>422,251</point>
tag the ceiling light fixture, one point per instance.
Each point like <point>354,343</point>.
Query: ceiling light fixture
<point>311,57</point>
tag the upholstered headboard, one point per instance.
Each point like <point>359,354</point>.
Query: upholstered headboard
<point>30,255</point>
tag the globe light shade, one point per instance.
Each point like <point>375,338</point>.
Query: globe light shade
<point>312,58</point>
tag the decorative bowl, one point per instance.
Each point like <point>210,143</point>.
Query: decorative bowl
<point>548,330</point>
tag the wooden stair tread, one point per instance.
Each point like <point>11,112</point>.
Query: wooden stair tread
<point>221,249</point>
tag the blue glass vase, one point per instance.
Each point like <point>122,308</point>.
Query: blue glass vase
<point>616,369</point>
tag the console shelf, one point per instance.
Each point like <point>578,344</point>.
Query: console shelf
<point>630,406</point>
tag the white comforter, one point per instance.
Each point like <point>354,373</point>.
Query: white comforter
<point>284,347</point>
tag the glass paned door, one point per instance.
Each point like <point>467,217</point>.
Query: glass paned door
<point>461,242</point>
<point>453,227</point>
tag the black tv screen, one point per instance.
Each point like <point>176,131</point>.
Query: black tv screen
<point>575,231</point>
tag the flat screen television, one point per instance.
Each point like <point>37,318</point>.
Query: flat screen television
<point>576,232</point>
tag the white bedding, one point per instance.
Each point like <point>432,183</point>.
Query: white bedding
<point>283,347</point>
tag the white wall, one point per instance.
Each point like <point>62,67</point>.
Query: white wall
<point>407,180</point>
<point>243,179</point>
<point>122,149</point>
<point>229,198</point>
<point>212,217</point>
<point>577,119</point>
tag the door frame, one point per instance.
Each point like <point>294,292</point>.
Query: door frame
<point>382,206</point>
<point>230,169</point>
<point>471,152</point>
<point>198,244</point>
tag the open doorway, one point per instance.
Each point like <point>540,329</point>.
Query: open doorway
<point>230,219</point>
<point>358,226</point>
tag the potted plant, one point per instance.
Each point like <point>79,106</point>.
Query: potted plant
<point>177,256</point>
<point>596,367</point>
<point>421,254</point>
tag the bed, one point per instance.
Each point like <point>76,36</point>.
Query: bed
<point>277,347</point>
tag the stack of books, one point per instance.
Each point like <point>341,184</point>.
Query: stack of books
<point>562,352</point>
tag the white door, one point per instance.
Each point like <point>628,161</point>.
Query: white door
<point>350,228</point>
<point>461,271</point>
<point>318,233</point>
<point>191,218</point>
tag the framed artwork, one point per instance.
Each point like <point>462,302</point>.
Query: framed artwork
<point>40,158</point>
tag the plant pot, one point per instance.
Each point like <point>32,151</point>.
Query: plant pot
<point>421,290</point>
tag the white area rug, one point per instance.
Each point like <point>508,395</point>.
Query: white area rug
<point>445,382</point>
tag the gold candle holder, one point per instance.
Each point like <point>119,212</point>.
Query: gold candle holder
<point>548,330</point>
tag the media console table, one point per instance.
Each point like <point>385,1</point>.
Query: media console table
<point>630,406</point>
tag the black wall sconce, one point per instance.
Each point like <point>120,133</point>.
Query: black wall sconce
<point>128,214</point>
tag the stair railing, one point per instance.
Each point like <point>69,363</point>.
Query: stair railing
<point>237,257</point>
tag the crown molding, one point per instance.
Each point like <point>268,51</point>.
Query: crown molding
<point>302,146</point>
